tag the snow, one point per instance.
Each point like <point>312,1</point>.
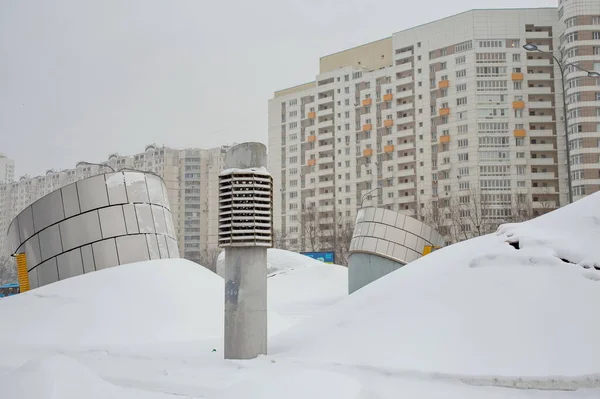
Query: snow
<point>480,308</point>
<point>256,170</point>
<point>473,320</point>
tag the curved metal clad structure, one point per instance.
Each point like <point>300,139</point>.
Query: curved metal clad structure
<point>99,222</point>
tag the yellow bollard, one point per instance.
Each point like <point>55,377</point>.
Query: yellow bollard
<point>22,272</point>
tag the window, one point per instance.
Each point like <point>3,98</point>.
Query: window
<point>463,157</point>
<point>443,65</point>
<point>463,129</point>
<point>461,87</point>
<point>491,43</point>
<point>517,85</point>
<point>463,143</point>
<point>490,58</point>
<point>461,60</point>
<point>461,74</point>
<point>516,57</point>
<point>461,101</point>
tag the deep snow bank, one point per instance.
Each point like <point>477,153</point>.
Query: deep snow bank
<point>160,301</point>
<point>480,307</point>
<point>278,260</point>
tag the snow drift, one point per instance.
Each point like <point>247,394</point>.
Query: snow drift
<point>170,300</point>
<point>477,308</point>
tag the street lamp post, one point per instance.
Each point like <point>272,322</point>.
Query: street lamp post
<point>366,194</point>
<point>561,66</point>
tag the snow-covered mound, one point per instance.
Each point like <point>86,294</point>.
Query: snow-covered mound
<point>61,377</point>
<point>477,308</point>
<point>160,301</point>
<point>277,260</point>
<point>146,302</point>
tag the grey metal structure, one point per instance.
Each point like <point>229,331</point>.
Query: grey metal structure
<point>96,223</point>
<point>245,231</point>
<point>384,241</point>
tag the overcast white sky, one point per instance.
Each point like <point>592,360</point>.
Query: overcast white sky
<point>80,79</point>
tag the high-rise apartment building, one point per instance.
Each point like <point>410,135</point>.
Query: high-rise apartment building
<point>190,175</point>
<point>7,169</point>
<point>454,120</point>
<point>579,30</point>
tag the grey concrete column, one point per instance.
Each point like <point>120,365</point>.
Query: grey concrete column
<point>245,302</point>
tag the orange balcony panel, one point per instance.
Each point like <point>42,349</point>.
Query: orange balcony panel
<point>368,127</point>
<point>444,111</point>
<point>388,123</point>
<point>367,101</point>
<point>388,148</point>
<point>518,104</point>
<point>312,115</point>
<point>312,139</point>
<point>444,139</point>
<point>388,97</point>
<point>367,152</point>
<point>443,84</point>
<point>311,162</point>
<point>519,133</point>
<point>517,76</point>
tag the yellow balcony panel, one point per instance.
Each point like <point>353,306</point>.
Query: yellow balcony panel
<point>388,123</point>
<point>519,133</point>
<point>312,115</point>
<point>518,104</point>
<point>311,162</point>
<point>443,84</point>
<point>444,139</point>
<point>388,148</point>
<point>367,152</point>
<point>368,127</point>
<point>444,111</point>
<point>312,139</point>
<point>367,101</point>
<point>517,76</point>
<point>388,97</point>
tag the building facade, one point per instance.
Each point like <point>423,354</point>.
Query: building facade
<point>455,122</point>
<point>190,176</point>
<point>7,169</point>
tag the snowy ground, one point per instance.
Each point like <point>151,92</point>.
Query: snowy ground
<point>474,320</point>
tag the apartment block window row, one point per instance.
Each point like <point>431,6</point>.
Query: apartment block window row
<point>494,170</point>
<point>495,184</point>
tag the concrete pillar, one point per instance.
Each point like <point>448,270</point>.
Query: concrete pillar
<point>245,302</point>
<point>245,231</point>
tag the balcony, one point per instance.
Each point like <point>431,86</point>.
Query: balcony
<point>541,104</point>
<point>326,159</point>
<point>326,111</point>
<point>536,35</point>
<point>518,104</point>
<point>539,90</point>
<point>543,176</point>
<point>388,123</point>
<point>406,172</point>
<point>444,111</point>
<point>405,146</point>
<point>520,133</point>
<point>539,76</point>
<point>443,84</point>
<point>542,161</point>
<point>311,162</point>
<point>325,100</point>
<point>540,118</point>
<point>367,127</point>
<point>444,139</point>
<point>544,190</point>
<point>367,101</point>
<point>405,93</point>
<point>517,76</point>
<point>405,186</point>
<point>388,97</point>
<point>538,62</point>
<point>404,107</point>
<point>388,148</point>
<point>367,152</point>
<point>312,115</point>
<point>542,147</point>
<point>312,139</point>
<point>541,133</point>
<point>403,81</point>
<point>406,119</point>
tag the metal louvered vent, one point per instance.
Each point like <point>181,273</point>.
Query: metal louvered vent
<point>245,208</point>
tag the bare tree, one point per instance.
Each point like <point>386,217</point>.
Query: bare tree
<point>521,209</point>
<point>209,257</point>
<point>311,229</point>
<point>280,239</point>
<point>344,233</point>
<point>8,270</point>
